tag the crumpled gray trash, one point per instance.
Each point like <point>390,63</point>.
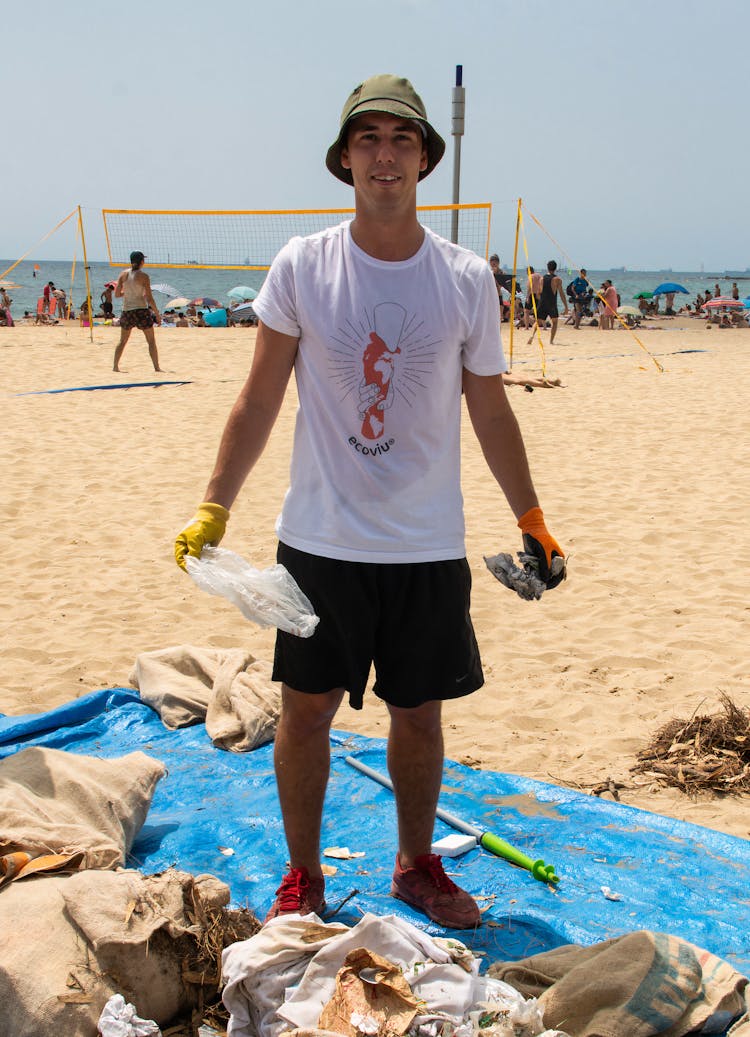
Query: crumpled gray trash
<point>119,1019</point>
<point>269,597</point>
<point>522,579</point>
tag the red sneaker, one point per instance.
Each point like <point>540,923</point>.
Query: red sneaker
<point>427,888</point>
<point>298,894</point>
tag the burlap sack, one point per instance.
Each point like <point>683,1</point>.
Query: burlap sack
<point>639,984</point>
<point>69,943</point>
<point>228,688</point>
<point>54,802</point>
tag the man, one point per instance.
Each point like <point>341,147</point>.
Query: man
<point>105,298</point>
<point>579,290</point>
<point>552,286</point>
<point>46,293</point>
<point>383,323</point>
<point>61,307</point>
<point>504,284</point>
<point>533,291</point>
<point>138,308</point>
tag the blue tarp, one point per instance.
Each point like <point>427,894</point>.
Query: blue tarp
<point>672,876</point>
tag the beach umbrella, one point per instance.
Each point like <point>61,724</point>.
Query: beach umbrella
<point>243,293</point>
<point>203,300</point>
<point>628,311</point>
<point>164,289</point>
<point>179,301</point>
<point>724,301</point>
<point>644,295</point>
<point>243,312</point>
<point>669,287</point>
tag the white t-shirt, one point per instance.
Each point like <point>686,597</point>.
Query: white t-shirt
<point>376,478</point>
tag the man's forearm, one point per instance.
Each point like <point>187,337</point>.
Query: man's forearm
<point>243,441</point>
<point>503,448</point>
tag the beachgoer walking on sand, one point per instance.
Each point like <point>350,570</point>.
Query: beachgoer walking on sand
<point>138,308</point>
<point>552,286</point>
<point>373,530</point>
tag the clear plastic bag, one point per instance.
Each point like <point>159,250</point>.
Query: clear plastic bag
<point>268,597</point>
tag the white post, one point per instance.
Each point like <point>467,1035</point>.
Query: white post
<point>457,129</point>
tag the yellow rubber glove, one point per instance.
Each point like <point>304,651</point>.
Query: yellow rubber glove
<point>207,526</point>
<point>542,546</point>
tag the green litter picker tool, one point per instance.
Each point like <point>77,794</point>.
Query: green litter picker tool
<point>487,840</point>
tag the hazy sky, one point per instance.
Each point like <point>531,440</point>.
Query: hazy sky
<point>622,124</point>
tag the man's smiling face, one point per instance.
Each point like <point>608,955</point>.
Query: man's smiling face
<point>385,154</point>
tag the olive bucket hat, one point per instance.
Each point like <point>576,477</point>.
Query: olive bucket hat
<point>395,96</point>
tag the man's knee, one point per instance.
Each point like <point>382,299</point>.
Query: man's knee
<point>425,719</point>
<point>309,712</point>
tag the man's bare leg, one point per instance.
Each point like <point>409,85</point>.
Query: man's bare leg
<point>124,336</point>
<point>554,330</point>
<point>302,758</point>
<point>415,764</point>
<point>152,351</point>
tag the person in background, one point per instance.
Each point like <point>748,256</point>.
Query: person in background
<point>138,308</point>
<point>5,301</point>
<point>552,287</point>
<point>61,307</point>
<point>717,291</point>
<point>108,309</point>
<point>372,527</point>
<point>735,291</point>
<point>46,294</point>
<point>609,306</point>
<point>579,290</point>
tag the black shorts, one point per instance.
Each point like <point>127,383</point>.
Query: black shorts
<point>545,310</point>
<point>142,318</point>
<point>410,619</point>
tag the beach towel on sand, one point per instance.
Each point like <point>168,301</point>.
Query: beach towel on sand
<point>640,984</point>
<point>56,805</point>
<point>70,942</point>
<point>229,689</point>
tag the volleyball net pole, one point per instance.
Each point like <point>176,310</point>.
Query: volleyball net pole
<point>457,130</point>
<point>88,280</point>
<point>514,281</point>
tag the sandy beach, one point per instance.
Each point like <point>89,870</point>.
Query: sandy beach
<point>643,477</point>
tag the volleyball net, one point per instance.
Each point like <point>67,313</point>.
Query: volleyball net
<point>250,239</point>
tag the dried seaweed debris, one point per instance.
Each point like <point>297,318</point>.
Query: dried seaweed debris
<point>707,753</point>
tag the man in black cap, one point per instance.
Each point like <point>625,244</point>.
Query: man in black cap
<point>384,323</point>
<point>138,308</point>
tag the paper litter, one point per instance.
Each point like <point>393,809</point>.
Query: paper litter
<point>522,579</point>
<point>119,1019</point>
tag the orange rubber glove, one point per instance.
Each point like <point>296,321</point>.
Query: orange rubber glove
<point>542,546</point>
<point>207,526</point>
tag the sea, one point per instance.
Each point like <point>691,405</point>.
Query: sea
<point>194,282</point>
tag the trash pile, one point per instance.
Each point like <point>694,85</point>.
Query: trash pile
<point>299,975</point>
<point>704,753</point>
